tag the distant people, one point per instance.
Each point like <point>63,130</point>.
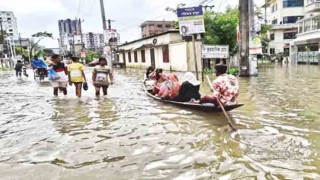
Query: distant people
<point>226,88</point>
<point>100,77</point>
<point>39,65</point>
<point>189,88</point>
<point>62,81</point>
<point>76,75</point>
<point>113,39</point>
<point>149,71</point>
<point>169,89</point>
<point>18,68</point>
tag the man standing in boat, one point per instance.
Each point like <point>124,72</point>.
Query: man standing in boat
<point>225,88</point>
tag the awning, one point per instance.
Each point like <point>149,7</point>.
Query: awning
<point>291,31</point>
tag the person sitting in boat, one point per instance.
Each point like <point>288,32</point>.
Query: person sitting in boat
<point>169,89</point>
<point>159,78</point>
<point>149,71</point>
<point>226,88</point>
<point>189,88</point>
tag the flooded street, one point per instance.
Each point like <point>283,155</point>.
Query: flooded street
<point>130,136</point>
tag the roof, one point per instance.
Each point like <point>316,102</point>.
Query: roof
<point>149,37</point>
<point>154,22</point>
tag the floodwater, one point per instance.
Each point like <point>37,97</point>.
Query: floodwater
<point>130,136</point>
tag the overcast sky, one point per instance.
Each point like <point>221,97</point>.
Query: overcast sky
<point>43,15</point>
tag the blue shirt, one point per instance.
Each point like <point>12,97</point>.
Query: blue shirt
<point>38,63</point>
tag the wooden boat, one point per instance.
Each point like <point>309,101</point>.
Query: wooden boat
<point>208,107</point>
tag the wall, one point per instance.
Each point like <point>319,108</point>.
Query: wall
<point>279,43</point>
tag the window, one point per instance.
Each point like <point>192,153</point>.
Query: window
<point>272,37</point>
<point>274,8</point>
<point>291,19</point>
<point>289,35</point>
<point>124,57</point>
<point>168,26</point>
<point>151,25</point>
<point>159,25</point>
<point>293,3</point>
<point>272,51</point>
<point>129,57</point>
<point>165,53</point>
<point>10,30</point>
<point>275,21</point>
<point>143,56</point>
<point>135,56</point>
<point>307,25</point>
<point>9,19</point>
<point>316,23</point>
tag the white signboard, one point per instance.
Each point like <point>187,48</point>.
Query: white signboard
<point>191,20</point>
<point>215,51</point>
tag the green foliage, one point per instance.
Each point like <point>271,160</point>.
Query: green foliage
<point>91,55</point>
<point>40,36</point>
<point>264,29</point>
<point>234,71</point>
<point>207,71</point>
<point>221,28</point>
<point>23,52</point>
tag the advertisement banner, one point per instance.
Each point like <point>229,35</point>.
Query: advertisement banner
<point>112,37</point>
<point>255,46</point>
<point>215,51</point>
<point>191,20</point>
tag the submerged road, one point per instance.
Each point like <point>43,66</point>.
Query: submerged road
<point>130,136</point>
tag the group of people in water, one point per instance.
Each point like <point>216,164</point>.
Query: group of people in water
<point>61,74</point>
<point>168,86</point>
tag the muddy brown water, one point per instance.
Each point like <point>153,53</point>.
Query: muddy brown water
<point>130,136</point>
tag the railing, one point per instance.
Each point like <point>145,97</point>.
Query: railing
<point>312,6</point>
<point>284,26</point>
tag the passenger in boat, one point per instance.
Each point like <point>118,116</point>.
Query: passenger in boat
<point>149,71</point>
<point>189,88</point>
<point>169,89</point>
<point>226,88</point>
<point>159,78</point>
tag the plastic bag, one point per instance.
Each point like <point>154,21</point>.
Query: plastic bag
<point>53,75</point>
<point>85,86</point>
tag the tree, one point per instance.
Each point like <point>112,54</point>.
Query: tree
<point>221,28</point>
<point>91,55</point>
<point>23,52</point>
<point>40,36</point>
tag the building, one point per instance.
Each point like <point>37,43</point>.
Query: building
<point>166,50</point>
<point>150,28</point>
<point>94,41</point>
<point>9,24</point>
<point>68,30</point>
<point>306,48</point>
<point>283,17</point>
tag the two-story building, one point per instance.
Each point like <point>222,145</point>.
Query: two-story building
<point>166,50</point>
<point>306,48</point>
<point>283,17</point>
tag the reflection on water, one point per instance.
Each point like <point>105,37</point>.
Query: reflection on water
<point>130,136</point>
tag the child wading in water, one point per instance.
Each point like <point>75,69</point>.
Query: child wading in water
<point>76,75</point>
<point>100,76</point>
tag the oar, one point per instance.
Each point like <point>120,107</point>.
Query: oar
<point>221,106</point>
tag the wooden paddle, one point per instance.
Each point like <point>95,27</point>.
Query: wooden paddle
<point>221,106</point>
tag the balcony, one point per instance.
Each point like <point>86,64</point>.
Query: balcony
<point>312,6</point>
<point>284,26</point>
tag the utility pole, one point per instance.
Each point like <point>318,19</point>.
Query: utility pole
<point>81,35</point>
<point>20,40</point>
<point>244,37</point>
<point>103,14</point>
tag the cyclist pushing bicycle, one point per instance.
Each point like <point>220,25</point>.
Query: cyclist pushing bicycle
<point>40,66</point>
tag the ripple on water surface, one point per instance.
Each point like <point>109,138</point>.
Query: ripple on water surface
<point>130,136</point>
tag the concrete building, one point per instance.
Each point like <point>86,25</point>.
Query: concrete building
<point>94,41</point>
<point>166,50</point>
<point>9,24</point>
<point>150,28</point>
<point>68,29</point>
<point>306,48</point>
<point>283,17</point>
